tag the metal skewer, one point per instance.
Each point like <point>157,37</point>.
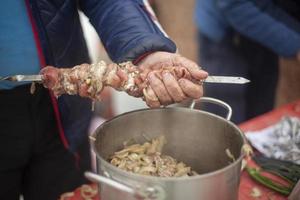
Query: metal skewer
<point>209,79</point>
<point>22,78</point>
<point>226,79</point>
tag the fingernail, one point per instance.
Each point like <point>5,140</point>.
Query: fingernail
<point>205,73</point>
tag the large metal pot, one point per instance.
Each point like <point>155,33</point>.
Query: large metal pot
<point>198,138</point>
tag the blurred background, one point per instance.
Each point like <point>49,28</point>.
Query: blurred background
<point>177,19</point>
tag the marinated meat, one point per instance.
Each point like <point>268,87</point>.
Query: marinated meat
<point>89,80</point>
<point>147,159</point>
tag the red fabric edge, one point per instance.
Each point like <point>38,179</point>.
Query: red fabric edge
<point>140,58</point>
<point>43,64</point>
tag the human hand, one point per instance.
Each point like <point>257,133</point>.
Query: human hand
<point>161,79</point>
<point>171,78</point>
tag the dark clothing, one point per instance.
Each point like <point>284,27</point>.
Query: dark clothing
<point>238,56</point>
<point>271,23</point>
<point>33,159</point>
<point>244,38</point>
<point>126,29</point>
<point>40,136</point>
<point>292,7</point>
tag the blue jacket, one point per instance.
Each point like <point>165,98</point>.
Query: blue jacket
<point>126,29</point>
<point>264,21</point>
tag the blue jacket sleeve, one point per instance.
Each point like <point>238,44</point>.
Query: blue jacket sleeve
<point>264,22</point>
<point>126,28</point>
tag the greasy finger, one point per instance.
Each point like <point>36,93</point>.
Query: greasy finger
<point>173,87</point>
<point>138,90</point>
<point>191,89</point>
<point>159,88</point>
<point>182,72</point>
<point>151,98</point>
<point>193,68</point>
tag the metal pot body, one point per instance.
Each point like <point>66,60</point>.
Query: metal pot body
<point>197,138</point>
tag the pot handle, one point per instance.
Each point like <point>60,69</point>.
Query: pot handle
<point>213,101</point>
<point>151,193</point>
<point>246,149</point>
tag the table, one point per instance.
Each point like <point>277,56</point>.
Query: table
<point>263,121</point>
<point>247,184</point>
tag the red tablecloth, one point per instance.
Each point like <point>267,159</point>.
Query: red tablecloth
<point>247,184</point>
<point>263,121</point>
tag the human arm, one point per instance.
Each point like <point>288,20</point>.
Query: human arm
<point>127,30</point>
<point>129,33</point>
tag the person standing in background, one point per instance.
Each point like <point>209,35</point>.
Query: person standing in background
<point>244,38</point>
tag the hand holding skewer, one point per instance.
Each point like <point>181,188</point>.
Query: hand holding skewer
<point>161,78</point>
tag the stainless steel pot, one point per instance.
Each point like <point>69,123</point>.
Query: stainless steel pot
<point>198,138</point>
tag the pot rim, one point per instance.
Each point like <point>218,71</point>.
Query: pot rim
<point>153,178</point>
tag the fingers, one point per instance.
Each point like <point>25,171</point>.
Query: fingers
<point>150,97</point>
<point>159,89</point>
<point>173,87</point>
<point>191,89</point>
<point>172,78</point>
<point>183,89</point>
<point>192,67</point>
<point>167,90</point>
<point>182,72</point>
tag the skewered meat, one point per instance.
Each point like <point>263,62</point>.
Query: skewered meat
<point>147,159</point>
<point>88,80</point>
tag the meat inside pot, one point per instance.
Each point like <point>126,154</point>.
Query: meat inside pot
<point>147,159</point>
